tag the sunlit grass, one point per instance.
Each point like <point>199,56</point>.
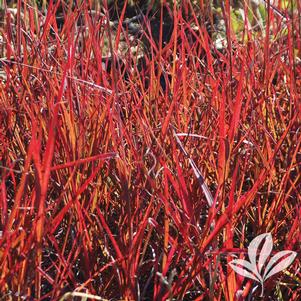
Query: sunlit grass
<point>137,175</point>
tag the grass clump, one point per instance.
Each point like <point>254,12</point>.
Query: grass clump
<point>138,159</point>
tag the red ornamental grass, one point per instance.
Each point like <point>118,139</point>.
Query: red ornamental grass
<point>136,166</point>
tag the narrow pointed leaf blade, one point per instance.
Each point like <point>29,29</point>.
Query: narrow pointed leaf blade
<point>245,268</point>
<point>284,259</point>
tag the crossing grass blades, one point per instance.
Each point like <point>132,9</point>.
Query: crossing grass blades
<point>108,123</point>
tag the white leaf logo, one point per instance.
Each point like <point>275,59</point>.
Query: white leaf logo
<point>253,269</point>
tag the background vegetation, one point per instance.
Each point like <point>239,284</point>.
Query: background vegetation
<point>142,148</point>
